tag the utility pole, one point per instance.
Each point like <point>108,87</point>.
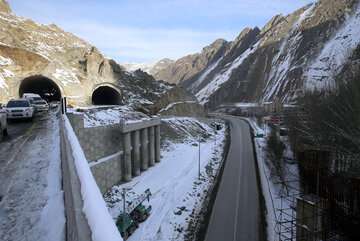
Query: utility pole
<point>199,158</point>
<point>124,196</point>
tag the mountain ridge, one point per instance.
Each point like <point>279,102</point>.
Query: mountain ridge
<point>289,55</point>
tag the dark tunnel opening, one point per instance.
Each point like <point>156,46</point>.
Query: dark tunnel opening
<point>45,87</point>
<point>105,95</point>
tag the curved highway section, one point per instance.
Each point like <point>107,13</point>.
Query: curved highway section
<point>236,211</point>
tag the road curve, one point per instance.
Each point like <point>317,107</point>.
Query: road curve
<point>236,212</point>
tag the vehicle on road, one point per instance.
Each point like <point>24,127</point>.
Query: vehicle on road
<point>30,95</point>
<point>19,109</point>
<point>40,105</point>
<point>3,123</point>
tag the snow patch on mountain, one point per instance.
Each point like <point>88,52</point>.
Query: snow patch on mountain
<point>320,75</point>
<point>204,94</point>
<point>66,77</point>
<point>3,85</point>
<point>206,73</point>
<point>281,64</point>
<point>5,61</point>
<point>146,67</point>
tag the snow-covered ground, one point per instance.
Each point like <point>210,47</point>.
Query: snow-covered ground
<point>32,207</point>
<point>270,182</point>
<point>177,193</point>
<point>108,115</point>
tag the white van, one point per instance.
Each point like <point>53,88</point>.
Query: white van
<point>30,95</point>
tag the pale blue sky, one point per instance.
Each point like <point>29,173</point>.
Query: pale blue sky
<point>145,31</point>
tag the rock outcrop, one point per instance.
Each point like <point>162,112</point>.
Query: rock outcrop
<point>188,66</point>
<point>178,102</point>
<point>4,6</point>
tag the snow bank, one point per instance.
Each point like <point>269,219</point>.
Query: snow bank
<point>101,224</point>
<point>271,187</point>
<point>55,204</point>
<point>177,192</point>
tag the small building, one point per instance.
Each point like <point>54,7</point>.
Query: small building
<point>275,106</point>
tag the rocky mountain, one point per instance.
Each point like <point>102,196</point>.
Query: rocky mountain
<point>305,50</point>
<point>182,69</point>
<point>160,65</point>
<point>131,67</point>
<point>33,52</point>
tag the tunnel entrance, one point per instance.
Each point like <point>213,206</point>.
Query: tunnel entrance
<point>106,95</point>
<point>45,87</point>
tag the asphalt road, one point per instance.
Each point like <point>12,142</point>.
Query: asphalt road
<point>236,212</point>
<point>30,180</point>
<point>19,132</point>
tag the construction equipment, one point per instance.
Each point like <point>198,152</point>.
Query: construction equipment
<point>128,221</point>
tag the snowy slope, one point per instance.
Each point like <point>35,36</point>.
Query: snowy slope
<point>207,71</point>
<point>283,61</point>
<point>177,192</point>
<point>321,72</point>
<point>204,94</point>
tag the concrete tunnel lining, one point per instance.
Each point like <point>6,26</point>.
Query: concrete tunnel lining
<point>106,95</point>
<point>42,86</point>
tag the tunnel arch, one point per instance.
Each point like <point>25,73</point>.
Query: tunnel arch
<point>106,94</point>
<point>42,86</point>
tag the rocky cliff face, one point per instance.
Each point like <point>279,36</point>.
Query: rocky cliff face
<point>291,54</point>
<point>188,66</point>
<point>29,49</point>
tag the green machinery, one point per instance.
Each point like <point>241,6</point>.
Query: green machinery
<point>128,221</point>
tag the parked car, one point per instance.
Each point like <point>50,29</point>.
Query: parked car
<point>3,123</point>
<point>19,109</point>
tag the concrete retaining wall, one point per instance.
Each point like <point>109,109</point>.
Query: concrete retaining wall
<point>116,153</point>
<point>97,142</point>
